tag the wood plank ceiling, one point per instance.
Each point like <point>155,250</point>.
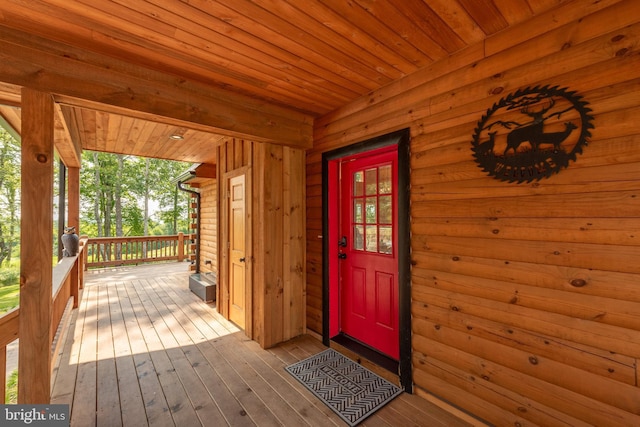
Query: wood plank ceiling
<point>309,56</point>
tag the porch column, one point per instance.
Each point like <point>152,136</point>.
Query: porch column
<point>73,190</point>
<point>36,250</point>
<point>73,220</point>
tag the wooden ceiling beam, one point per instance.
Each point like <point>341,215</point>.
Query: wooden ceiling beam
<point>10,121</point>
<point>206,170</point>
<point>9,94</point>
<point>84,79</point>
<point>67,146</point>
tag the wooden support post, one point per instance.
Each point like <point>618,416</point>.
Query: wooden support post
<point>180,247</point>
<point>36,251</point>
<point>73,220</point>
<point>73,190</point>
<point>62,179</point>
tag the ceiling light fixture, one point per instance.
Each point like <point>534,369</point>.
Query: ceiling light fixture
<point>176,136</point>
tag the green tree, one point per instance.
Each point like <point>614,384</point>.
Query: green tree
<point>9,194</point>
<point>173,202</point>
<point>118,192</point>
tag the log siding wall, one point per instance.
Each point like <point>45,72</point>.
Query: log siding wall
<point>525,297</point>
<point>209,226</point>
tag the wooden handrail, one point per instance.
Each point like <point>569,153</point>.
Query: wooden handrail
<point>66,282</point>
<point>65,293</point>
<point>115,251</point>
<point>9,324</point>
<point>61,273</point>
<point>9,327</point>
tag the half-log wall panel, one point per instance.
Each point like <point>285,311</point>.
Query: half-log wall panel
<point>209,226</point>
<point>525,302</point>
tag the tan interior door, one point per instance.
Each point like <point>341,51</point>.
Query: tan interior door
<point>237,242</point>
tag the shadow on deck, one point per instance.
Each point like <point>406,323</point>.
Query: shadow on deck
<point>143,350</point>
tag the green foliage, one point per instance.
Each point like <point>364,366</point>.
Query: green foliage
<point>9,276</point>
<point>9,298</point>
<point>115,190</point>
<point>12,389</point>
<point>9,286</point>
<point>133,217</point>
<point>9,194</point>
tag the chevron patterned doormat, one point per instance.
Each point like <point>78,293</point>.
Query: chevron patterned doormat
<point>353,392</point>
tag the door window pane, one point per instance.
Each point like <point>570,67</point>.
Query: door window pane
<point>371,210</point>
<point>372,238</point>
<point>384,177</point>
<point>371,181</point>
<point>358,210</point>
<point>358,183</point>
<point>384,210</point>
<point>385,241</point>
<point>358,237</point>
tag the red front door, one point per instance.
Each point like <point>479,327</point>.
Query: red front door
<point>368,251</point>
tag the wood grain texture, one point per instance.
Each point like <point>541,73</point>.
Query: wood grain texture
<point>261,70</point>
<point>136,92</point>
<point>209,226</point>
<point>515,286</point>
<point>175,360</point>
<point>279,286</point>
<point>327,53</point>
<point>35,235</point>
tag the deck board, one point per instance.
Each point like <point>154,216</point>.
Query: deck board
<point>66,369</point>
<point>131,403</point>
<point>143,350</point>
<point>154,331</point>
<point>155,407</point>
<point>83,412</point>
<point>108,399</point>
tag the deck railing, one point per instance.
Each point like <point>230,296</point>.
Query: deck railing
<point>67,281</point>
<point>116,251</point>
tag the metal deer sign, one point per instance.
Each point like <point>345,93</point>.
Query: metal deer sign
<point>532,134</point>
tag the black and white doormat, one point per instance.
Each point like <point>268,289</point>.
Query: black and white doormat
<point>353,392</point>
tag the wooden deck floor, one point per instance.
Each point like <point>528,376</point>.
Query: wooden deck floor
<point>143,350</point>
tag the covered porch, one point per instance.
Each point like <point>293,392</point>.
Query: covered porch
<point>143,350</point>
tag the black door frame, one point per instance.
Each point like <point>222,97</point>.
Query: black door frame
<point>401,139</point>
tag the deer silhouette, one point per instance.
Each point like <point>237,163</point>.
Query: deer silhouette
<point>487,146</point>
<point>534,135</point>
<point>555,138</point>
<point>531,132</point>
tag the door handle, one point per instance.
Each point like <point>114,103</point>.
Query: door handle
<point>343,242</point>
<point>243,259</point>
<point>342,255</point>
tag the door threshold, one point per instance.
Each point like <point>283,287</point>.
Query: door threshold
<point>374,356</point>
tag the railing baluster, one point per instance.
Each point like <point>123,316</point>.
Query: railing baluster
<point>106,251</point>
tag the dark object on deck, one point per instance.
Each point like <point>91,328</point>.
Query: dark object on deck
<point>70,241</point>
<point>203,285</point>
